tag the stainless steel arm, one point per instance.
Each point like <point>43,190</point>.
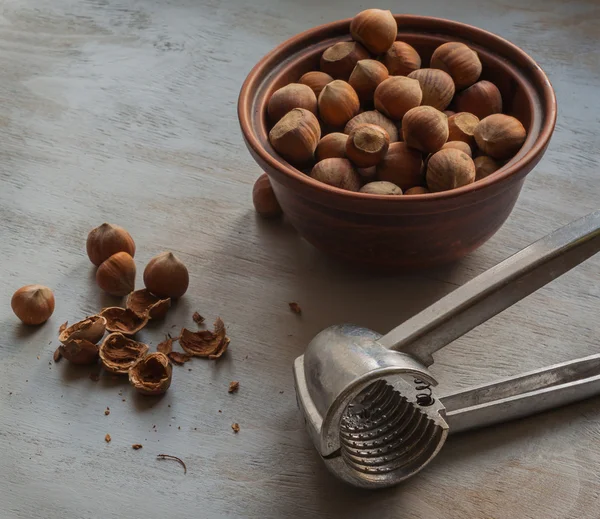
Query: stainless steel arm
<point>496,289</point>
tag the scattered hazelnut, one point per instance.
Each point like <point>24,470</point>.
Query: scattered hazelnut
<point>461,127</point>
<point>397,95</point>
<point>373,117</point>
<point>294,95</point>
<point>375,29</point>
<point>366,76</point>
<point>116,275</point>
<point>485,166</point>
<point>316,80</point>
<point>166,276</point>
<point>402,166</point>
<point>106,240</point>
<point>90,329</point>
<point>401,59</point>
<point>33,304</point>
<point>123,320</point>
<point>417,190</point>
<point>143,302</point>
<point>481,99</point>
<point>264,199</point>
<point>296,135</point>
<point>459,145</point>
<point>338,173</point>
<point>79,351</point>
<point>338,103</point>
<point>331,146</point>
<point>339,60</point>
<point>500,136</point>
<point>449,169</point>
<point>425,129</point>
<point>381,188</point>
<point>367,145</point>
<point>119,353</point>
<point>437,87</point>
<point>458,60</point>
<point>152,374</point>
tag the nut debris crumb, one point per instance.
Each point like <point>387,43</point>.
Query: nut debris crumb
<point>63,327</point>
<point>179,358</point>
<point>235,427</point>
<point>107,438</point>
<point>136,446</point>
<point>57,355</point>
<point>234,386</point>
<point>107,411</point>
<point>295,307</point>
<point>94,377</point>
<point>220,411</point>
<point>198,319</point>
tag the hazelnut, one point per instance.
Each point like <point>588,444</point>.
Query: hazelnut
<point>166,276</point>
<point>331,146</point>
<point>425,129</point>
<point>116,275</point>
<point>90,329</point>
<point>481,99</point>
<point>397,95</point>
<point>381,188</point>
<point>79,351</point>
<point>437,87</point>
<point>459,145</point>
<point>365,78</point>
<point>119,353</point>
<point>401,166</point>
<point>296,135</point>
<point>401,59</point>
<point>417,190</point>
<point>264,199</point>
<point>367,174</point>
<point>485,166</point>
<point>142,303</point>
<point>340,59</point>
<point>315,80</point>
<point>338,103</point>
<point>449,169</point>
<point>461,127</point>
<point>458,60</point>
<point>123,320</point>
<point>375,29</point>
<point>338,173</point>
<point>500,136</point>
<point>367,145</point>
<point>449,113</point>
<point>294,95</point>
<point>373,117</point>
<point>152,374</point>
<point>33,304</point>
<point>106,240</point>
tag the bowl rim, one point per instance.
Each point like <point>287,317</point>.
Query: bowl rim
<point>544,90</point>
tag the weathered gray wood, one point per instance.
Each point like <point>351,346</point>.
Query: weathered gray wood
<point>125,111</point>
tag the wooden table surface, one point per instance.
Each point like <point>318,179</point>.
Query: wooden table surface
<point>125,111</point>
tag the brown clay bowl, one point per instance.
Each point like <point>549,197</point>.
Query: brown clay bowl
<point>406,232</point>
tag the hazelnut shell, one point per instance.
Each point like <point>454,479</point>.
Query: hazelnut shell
<point>90,329</point>
<point>205,343</point>
<point>152,374</point>
<point>296,135</point>
<point>106,240</point>
<point>116,275</point>
<point>288,97</point>
<point>119,353</point>
<point>79,351</point>
<point>123,320</point>
<point>166,276</point>
<point>143,302</point>
<point>33,304</point>
<point>337,173</point>
<point>376,29</point>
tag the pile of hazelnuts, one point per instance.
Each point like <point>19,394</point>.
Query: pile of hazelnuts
<point>372,120</point>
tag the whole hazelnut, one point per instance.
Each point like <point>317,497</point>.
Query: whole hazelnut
<point>117,274</point>
<point>402,166</point>
<point>459,145</point>
<point>106,240</point>
<point>315,80</point>
<point>373,117</point>
<point>449,113</point>
<point>449,169</point>
<point>296,135</point>
<point>481,99</point>
<point>485,166</point>
<point>417,190</point>
<point>33,304</point>
<point>367,145</point>
<point>381,188</point>
<point>263,197</point>
<point>401,59</point>
<point>375,29</point>
<point>340,59</point>
<point>294,95</point>
<point>332,145</point>
<point>437,87</point>
<point>458,60</point>
<point>461,127</point>
<point>500,136</point>
<point>338,173</point>
<point>367,174</point>
<point>425,129</point>
<point>365,78</point>
<point>166,276</point>
<point>338,103</point>
<point>397,95</point>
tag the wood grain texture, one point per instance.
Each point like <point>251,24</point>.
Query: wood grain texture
<point>125,111</point>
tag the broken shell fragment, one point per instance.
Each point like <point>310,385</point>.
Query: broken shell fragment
<point>80,351</point>
<point>143,302</point>
<point>90,329</point>
<point>152,374</point>
<point>119,353</point>
<point>123,320</point>
<point>205,343</point>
